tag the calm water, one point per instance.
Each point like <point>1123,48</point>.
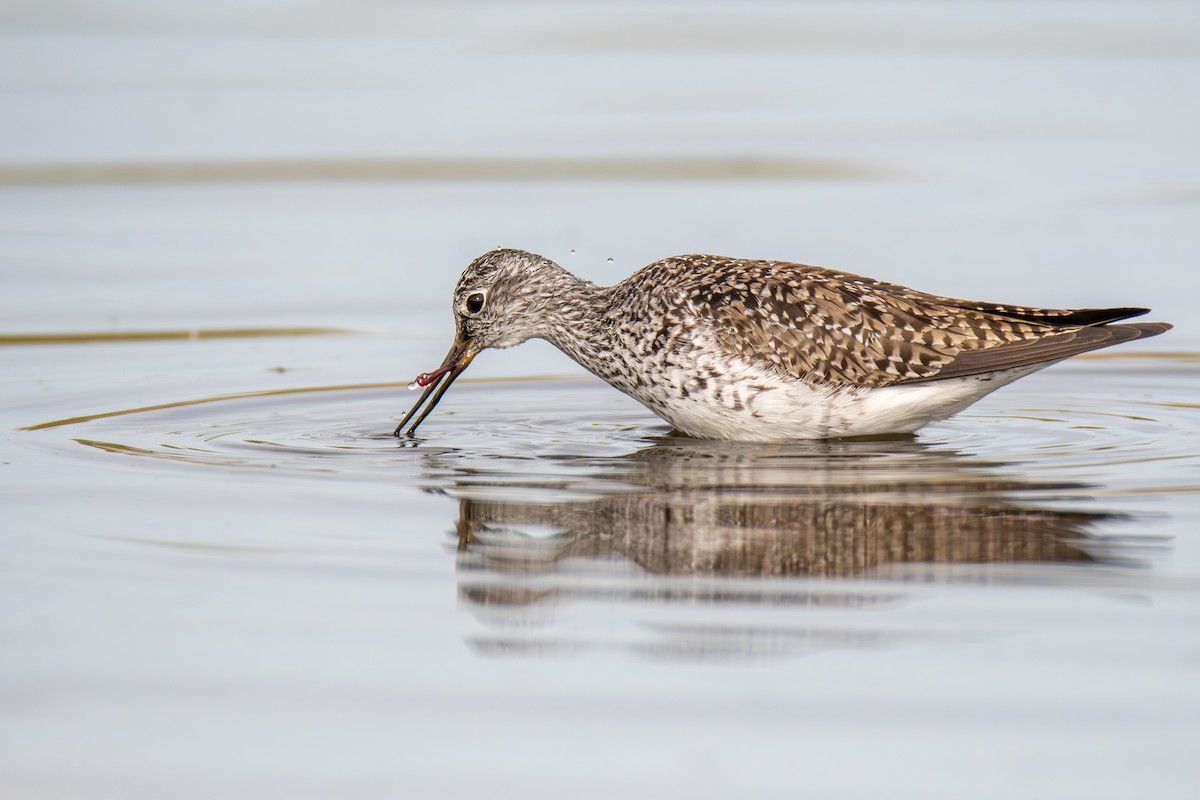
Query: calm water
<point>227,241</point>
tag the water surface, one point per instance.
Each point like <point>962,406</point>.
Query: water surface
<point>228,236</point>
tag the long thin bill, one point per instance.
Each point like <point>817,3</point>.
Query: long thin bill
<point>452,366</point>
<point>416,406</point>
<point>443,384</point>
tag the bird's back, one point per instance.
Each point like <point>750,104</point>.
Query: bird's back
<point>838,330</point>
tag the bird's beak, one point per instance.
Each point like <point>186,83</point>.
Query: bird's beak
<point>437,382</point>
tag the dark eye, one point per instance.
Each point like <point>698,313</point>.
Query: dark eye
<point>475,303</point>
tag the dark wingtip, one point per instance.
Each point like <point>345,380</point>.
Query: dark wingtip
<point>1099,316</point>
<point>1061,317</point>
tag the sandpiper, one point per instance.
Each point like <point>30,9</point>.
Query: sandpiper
<point>732,348</point>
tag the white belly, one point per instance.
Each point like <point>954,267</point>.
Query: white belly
<point>771,409</point>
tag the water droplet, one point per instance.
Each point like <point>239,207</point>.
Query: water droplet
<point>610,260</point>
<point>412,387</point>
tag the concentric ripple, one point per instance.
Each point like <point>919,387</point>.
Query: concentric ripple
<point>347,430</point>
<point>1139,440</point>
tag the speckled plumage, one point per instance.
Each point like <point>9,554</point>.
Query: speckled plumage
<point>734,348</point>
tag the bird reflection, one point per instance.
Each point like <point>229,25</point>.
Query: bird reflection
<point>717,509</point>
<point>696,550</point>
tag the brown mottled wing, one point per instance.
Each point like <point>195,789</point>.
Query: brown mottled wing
<point>839,330</point>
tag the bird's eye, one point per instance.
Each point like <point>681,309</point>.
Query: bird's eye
<point>475,303</point>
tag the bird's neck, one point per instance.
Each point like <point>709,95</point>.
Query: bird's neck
<point>578,322</point>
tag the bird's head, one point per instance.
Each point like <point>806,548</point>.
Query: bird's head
<point>500,298</point>
<point>499,302</point>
